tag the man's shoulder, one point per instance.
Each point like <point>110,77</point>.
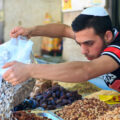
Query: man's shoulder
<point>113,50</point>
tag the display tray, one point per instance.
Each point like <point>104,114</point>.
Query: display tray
<point>49,115</point>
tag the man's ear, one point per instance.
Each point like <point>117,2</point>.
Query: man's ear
<point>108,37</point>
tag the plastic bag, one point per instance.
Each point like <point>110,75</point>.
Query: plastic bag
<point>16,49</point>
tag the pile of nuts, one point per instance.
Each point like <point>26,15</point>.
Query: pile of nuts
<point>87,109</point>
<point>114,106</point>
<point>111,115</point>
<point>11,96</point>
<point>50,99</point>
<point>21,115</point>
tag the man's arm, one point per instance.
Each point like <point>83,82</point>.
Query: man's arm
<point>53,30</point>
<point>64,72</point>
<point>49,30</point>
<point>75,71</point>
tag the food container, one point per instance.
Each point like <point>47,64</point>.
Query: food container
<point>110,99</point>
<point>49,115</point>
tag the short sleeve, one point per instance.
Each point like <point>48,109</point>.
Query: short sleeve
<point>113,51</point>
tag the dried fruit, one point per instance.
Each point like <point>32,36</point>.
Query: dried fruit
<point>52,98</point>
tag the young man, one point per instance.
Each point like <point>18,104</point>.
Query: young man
<point>99,42</point>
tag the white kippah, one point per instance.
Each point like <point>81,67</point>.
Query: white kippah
<point>95,11</point>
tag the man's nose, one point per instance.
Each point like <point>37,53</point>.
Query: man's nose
<point>84,49</point>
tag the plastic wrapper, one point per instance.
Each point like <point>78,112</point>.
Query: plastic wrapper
<point>16,49</point>
<point>110,99</point>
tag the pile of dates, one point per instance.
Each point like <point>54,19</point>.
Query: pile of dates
<point>52,98</point>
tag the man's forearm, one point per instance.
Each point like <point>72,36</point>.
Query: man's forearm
<point>77,71</point>
<point>64,72</point>
<point>52,30</point>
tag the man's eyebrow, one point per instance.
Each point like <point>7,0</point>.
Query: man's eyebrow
<point>87,41</point>
<point>83,42</point>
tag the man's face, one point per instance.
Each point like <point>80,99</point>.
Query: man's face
<point>91,44</point>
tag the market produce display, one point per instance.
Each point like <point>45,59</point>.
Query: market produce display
<point>86,109</point>
<point>10,96</point>
<point>111,115</point>
<point>52,98</point>
<point>83,88</point>
<point>102,92</point>
<point>41,85</point>
<point>22,115</point>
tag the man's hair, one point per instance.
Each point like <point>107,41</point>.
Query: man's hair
<point>100,23</point>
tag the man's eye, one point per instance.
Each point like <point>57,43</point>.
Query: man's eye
<point>89,43</point>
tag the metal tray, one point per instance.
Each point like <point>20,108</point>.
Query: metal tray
<point>49,115</point>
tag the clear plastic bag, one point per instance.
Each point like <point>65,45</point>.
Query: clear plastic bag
<point>16,49</point>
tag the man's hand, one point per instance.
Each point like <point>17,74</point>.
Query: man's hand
<point>17,73</point>
<point>15,32</point>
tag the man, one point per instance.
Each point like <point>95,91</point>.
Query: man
<point>93,31</point>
